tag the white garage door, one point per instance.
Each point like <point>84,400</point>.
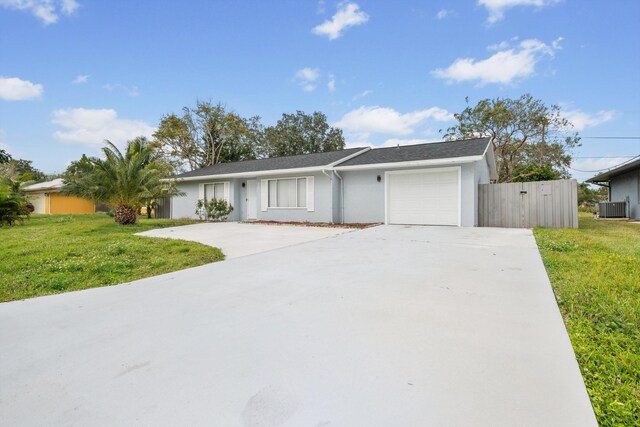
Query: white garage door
<point>423,197</point>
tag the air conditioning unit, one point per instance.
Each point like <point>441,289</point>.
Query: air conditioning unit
<point>613,209</point>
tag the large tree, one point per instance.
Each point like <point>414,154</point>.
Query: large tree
<point>124,181</point>
<point>301,133</point>
<point>20,170</point>
<point>529,138</point>
<point>207,134</point>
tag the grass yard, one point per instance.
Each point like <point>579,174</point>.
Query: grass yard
<point>595,273</point>
<point>61,253</point>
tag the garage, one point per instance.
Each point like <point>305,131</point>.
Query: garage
<point>423,197</point>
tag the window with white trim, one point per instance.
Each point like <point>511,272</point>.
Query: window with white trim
<point>214,191</point>
<point>288,193</point>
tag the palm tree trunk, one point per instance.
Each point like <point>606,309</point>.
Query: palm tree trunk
<point>125,215</point>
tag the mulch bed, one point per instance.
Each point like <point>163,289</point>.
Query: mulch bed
<point>315,224</point>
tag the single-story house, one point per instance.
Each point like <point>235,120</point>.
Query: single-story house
<point>434,183</point>
<point>624,186</point>
<point>47,199</point>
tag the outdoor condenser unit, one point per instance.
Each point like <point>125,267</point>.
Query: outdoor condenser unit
<point>613,209</point>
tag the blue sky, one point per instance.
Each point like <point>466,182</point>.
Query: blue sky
<point>76,72</point>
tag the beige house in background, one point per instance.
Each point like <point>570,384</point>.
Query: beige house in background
<point>47,199</point>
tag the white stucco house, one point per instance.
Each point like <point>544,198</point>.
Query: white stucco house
<point>429,184</point>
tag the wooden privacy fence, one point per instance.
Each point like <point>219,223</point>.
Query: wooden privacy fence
<point>552,204</point>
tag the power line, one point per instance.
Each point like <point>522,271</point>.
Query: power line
<point>606,169</point>
<point>609,137</point>
<point>603,157</point>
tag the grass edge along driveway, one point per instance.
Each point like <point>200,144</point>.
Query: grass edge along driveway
<point>595,274</point>
<point>60,253</point>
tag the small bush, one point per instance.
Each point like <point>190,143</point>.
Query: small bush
<point>213,210</point>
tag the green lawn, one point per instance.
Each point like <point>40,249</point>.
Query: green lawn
<point>60,253</point>
<point>595,273</point>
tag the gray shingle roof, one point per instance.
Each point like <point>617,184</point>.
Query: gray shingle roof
<point>429,151</point>
<point>274,163</point>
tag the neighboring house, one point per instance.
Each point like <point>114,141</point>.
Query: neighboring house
<point>624,186</point>
<point>47,199</point>
<point>433,183</point>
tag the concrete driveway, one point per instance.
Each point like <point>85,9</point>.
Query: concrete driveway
<point>239,239</point>
<point>388,326</point>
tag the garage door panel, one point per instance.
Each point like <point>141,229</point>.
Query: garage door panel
<point>429,198</point>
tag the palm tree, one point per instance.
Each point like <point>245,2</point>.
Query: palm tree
<point>123,181</point>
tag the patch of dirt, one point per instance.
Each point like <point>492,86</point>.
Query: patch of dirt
<point>357,225</point>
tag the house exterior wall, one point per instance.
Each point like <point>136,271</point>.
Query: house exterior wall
<point>627,185</point>
<point>39,201</point>
<point>61,204</point>
<point>364,196</point>
<point>322,196</point>
<point>185,206</point>
<point>56,203</point>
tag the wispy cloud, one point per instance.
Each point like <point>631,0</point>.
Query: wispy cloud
<point>331,85</point>
<point>582,120</point>
<point>80,79</point>
<point>503,67</point>
<point>15,89</point>
<point>129,90</point>
<point>375,119</point>
<point>443,13</point>
<point>48,11</point>
<point>348,15</point>
<point>362,95</point>
<point>307,78</point>
<point>496,8</point>
<point>91,127</point>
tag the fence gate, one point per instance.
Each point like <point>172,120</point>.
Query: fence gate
<point>552,204</point>
<point>163,208</point>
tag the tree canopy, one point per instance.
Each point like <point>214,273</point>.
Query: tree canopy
<point>302,133</point>
<point>529,138</point>
<point>124,181</point>
<point>209,133</point>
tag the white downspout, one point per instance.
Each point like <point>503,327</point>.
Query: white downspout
<point>331,192</point>
<point>341,196</point>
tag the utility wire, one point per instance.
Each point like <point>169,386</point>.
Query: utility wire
<point>606,169</point>
<point>603,157</point>
<point>609,137</point>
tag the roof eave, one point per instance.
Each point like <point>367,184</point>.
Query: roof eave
<point>251,174</point>
<point>412,163</point>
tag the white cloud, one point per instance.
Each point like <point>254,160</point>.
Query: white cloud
<point>47,11</point>
<point>332,83</point>
<point>15,89</point>
<point>387,120</point>
<point>503,67</point>
<point>443,13</point>
<point>80,79</point>
<point>496,8</point>
<point>348,15</point>
<point>362,95</point>
<point>307,78</point>
<point>92,126</point>
<point>582,120</point>
<point>129,90</point>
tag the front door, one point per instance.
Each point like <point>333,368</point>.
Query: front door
<point>252,205</point>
